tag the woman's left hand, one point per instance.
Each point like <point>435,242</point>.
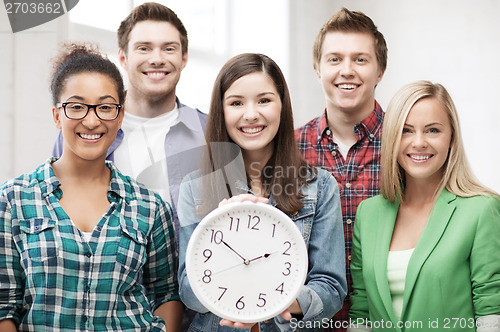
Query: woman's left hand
<point>244,198</point>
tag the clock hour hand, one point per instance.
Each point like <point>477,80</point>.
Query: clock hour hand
<point>260,257</point>
<point>245,261</point>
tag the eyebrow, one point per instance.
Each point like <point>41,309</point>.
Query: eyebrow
<point>259,95</point>
<point>100,98</point>
<point>427,125</point>
<point>150,43</point>
<point>367,54</point>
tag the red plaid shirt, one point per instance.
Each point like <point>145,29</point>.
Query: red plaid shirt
<point>357,176</point>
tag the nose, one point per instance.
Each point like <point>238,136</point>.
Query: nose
<point>346,68</point>
<point>156,57</point>
<point>419,141</point>
<point>91,120</point>
<point>251,114</point>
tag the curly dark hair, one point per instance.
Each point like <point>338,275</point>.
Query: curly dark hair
<point>76,58</point>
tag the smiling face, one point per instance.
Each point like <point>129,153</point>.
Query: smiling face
<point>88,138</point>
<point>153,60</point>
<point>348,72</point>
<point>252,110</point>
<point>425,141</point>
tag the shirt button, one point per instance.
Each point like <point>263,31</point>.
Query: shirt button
<point>88,254</point>
<point>348,221</point>
<point>84,318</point>
<point>349,258</point>
<point>371,136</point>
<point>328,132</point>
<point>98,228</point>
<point>319,138</point>
<point>334,153</point>
<point>348,185</point>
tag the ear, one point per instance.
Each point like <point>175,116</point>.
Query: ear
<point>318,74</point>
<point>56,115</point>
<point>380,75</point>
<point>184,60</point>
<point>122,58</point>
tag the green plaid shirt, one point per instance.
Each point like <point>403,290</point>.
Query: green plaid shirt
<point>51,279</point>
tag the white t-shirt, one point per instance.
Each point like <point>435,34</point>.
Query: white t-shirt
<point>397,264</point>
<point>342,148</point>
<point>141,155</point>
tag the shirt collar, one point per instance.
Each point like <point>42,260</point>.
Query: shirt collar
<point>368,127</point>
<point>188,116</point>
<point>371,125</point>
<point>46,178</point>
<point>119,186</point>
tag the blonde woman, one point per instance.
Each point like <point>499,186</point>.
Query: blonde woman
<point>425,251</point>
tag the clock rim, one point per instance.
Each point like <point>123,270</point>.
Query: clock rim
<point>222,210</point>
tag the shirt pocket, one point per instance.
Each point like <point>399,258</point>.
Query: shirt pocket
<point>304,218</point>
<point>40,239</point>
<point>131,252</point>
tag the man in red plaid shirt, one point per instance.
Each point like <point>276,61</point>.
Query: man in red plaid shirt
<point>350,57</point>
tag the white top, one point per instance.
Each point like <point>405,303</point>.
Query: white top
<point>141,155</point>
<point>397,264</point>
<point>86,236</point>
<point>343,148</point>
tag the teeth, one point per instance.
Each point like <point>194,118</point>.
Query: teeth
<point>419,157</point>
<point>156,74</point>
<point>348,86</point>
<point>252,130</point>
<point>86,136</point>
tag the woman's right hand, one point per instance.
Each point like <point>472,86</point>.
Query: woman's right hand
<point>244,198</point>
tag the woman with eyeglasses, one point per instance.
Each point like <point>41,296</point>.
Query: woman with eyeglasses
<point>84,247</point>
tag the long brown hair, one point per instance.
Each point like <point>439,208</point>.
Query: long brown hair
<point>286,169</point>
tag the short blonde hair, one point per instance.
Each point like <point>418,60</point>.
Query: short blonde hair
<point>457,175</point>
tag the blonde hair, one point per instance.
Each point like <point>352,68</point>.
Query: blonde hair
<point>457,174</point>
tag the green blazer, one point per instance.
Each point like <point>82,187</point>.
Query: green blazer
<point>453,276</point>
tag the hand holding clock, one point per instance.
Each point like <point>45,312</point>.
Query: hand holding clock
<point>271,267</point>
<point>244,198</point>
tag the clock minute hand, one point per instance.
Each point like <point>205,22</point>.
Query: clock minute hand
<point>245,261</point>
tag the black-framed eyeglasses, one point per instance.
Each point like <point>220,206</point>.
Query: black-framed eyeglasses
<point>77,111</point>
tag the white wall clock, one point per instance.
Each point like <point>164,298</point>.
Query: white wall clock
<point>246,262</point>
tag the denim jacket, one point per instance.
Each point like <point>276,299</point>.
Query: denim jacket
<point>320,223</point>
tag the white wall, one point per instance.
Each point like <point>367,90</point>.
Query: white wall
<point>26,127</point>
<point>453,42</point>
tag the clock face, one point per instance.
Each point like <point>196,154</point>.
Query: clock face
<point>246,262</point>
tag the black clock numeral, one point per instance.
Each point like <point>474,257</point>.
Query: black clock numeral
<point>287,269</point>
<point>280,288</point>
<point>237,223</point>
<point>256,222</point>
<point>289,245</point>
<point>224,289</point>
<point>274,229</point>
<point>207,253</point>
<point>216,237</point>
<point>207,276</point>
<point>261,297</point>
<point>240,305</point>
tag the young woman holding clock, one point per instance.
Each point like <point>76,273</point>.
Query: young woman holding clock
<point>253,157</point>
